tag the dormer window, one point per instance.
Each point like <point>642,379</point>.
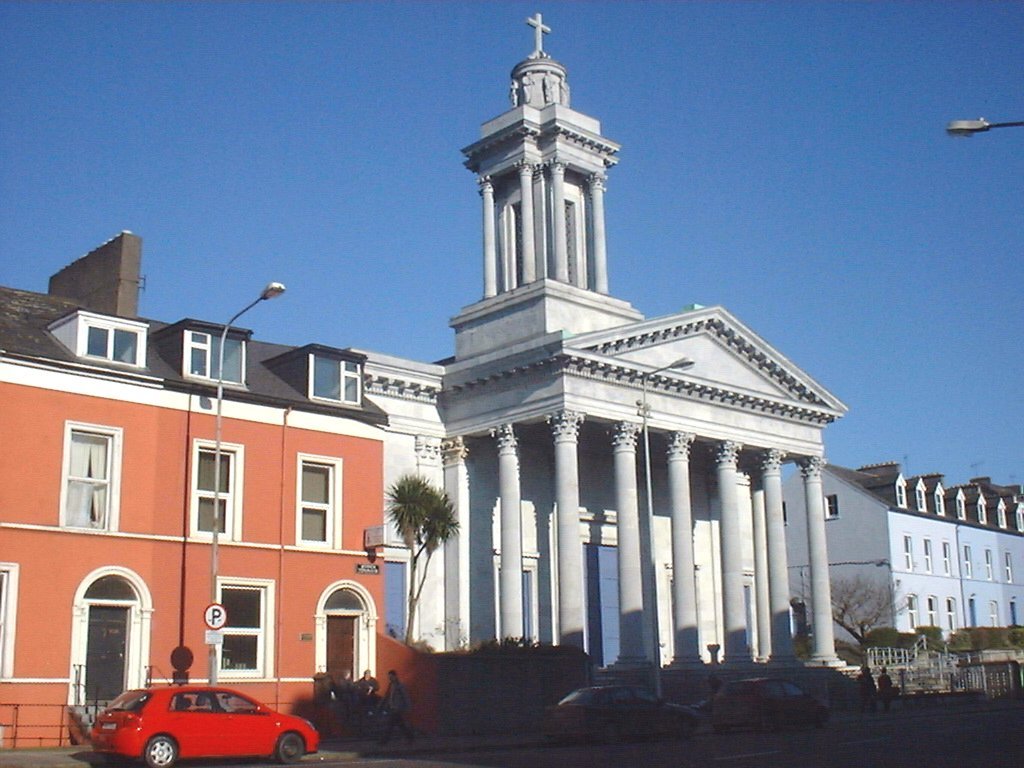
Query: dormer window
<point>920,497</point>
<point>961,506</point>
<point>202,357</point>
<point>339,381</point>
<point>940,501</point>
<point>1020,518</point>
<point>100,337</point>
<point>1001,513</point>
<point>901,492</point>
<point>982,508</point>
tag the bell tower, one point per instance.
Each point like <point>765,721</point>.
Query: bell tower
<point>541,167</point>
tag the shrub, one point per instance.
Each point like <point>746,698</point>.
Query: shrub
<point>882,637</point>
<point>1016,637</point>
<point>933,635</point>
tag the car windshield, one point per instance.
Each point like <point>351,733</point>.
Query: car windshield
<point>580,696</point>
<point>130,701</point>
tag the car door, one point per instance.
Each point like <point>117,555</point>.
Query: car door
<point>250,728</point>
<point>190,721</point>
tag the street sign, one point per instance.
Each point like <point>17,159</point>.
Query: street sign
<point>214,637</point>
<point>367,568</point>
<point>215,616</point>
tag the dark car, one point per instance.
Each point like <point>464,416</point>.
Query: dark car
<point>161,725</point>
<point>612,713</point>
<point>765,703</point>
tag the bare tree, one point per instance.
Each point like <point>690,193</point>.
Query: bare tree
<point>860,604</point>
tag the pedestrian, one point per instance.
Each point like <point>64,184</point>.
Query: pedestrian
<point>367,688</point>
<point>396,704</point>
<point>343,689</point>
<point>867,689</point>
<point>886,690</point>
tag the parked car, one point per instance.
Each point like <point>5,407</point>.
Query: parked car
<point>765,703</point>
<point>161,725</point>
<point>616,712</point>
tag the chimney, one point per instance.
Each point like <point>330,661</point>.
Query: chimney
<point>106,279</point>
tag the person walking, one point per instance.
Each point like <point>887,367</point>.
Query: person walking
<point>886,690</point>
<point>867,689</point>
<point>395,704</point>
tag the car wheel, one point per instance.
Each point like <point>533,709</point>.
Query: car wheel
<point>290,747</point>
<point>161,752</point>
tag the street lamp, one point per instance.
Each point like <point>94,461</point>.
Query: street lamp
<point>966,128</point>
<point>647,539</point>
<point>271,291</point>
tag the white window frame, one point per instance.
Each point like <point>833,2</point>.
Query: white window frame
<point>8,617</point>
<point>1008,564</point>
<point>73,332</point>
<point>344,376</point>
<point>947,557</point>
<point>940,501</point>
<point>951,614</point>
<point>115,448</point>
<point>928,555</point>
<point>982,507</point>
<point>832,506</point>
<point>1020,518</point>
<point>920,496</point>
<point>264,633</point>
<point>961,505</point>
<point>901,492</point>
<point>912,607</point>
<point>993,613</point>
<point>908,552</point>
<point>208,344</point>
<point>989,566</point>
<point>968,567</point>
<point>332,509</point>
<point>1001,514</point>
<point>232,499</point>
<point>932,609</point>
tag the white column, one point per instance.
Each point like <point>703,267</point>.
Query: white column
<point>686,641</point>
<point>527,249</point>
<point>824,650</point>
<point>631,597</point>
<point>600,253</point>
<point>778,563</point>
<point>762,602</point>
<point>456,551</point>
<point>558,222</point>
<point>733,608</point>
<point>490,256</point>
<point>510,582</point>
<point>565,427</point>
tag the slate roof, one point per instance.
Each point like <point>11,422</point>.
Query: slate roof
<point>25,317</point>
<point>880,481</point>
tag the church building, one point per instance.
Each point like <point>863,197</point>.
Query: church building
<point>617,478</point>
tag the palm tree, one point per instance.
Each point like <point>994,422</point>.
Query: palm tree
<point>425,520</point>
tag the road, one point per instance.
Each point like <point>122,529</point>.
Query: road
<point>936,739</point>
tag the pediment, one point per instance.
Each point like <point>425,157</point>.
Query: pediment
<point>727,356</point>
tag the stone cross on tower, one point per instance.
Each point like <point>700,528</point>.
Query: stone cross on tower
<point>539,30</point>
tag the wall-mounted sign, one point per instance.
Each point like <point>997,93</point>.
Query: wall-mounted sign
<point>373,537</point>
<point>367,568</point>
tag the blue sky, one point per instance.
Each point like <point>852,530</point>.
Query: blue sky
<point>785,160</point>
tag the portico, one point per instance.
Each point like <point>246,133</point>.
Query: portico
<point>542,451</point>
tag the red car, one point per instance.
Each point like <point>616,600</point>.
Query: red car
<point>161,725</point>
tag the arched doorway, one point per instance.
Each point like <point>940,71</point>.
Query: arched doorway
<point>110,636</point>
<point>346,623</point>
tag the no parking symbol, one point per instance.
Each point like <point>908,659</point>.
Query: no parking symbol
<point>215,616</point>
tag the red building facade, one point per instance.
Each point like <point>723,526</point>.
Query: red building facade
<point>108,499</point>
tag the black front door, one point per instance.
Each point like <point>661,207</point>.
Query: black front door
<point>105,654</point>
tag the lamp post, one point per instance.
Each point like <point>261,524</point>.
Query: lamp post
<point>648,564</point>
<point>966,128</point>
<point>271,291</point>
